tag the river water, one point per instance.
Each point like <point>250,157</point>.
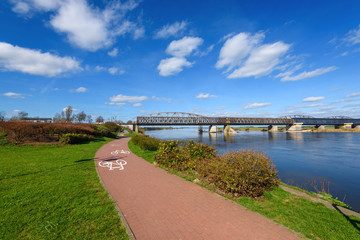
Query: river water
<point>299,157</point>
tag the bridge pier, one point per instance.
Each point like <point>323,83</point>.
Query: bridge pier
<point>294,127</point>
<point>212,129</point>
<point>320,127</point>
<point>228,129</point>
<point>136,128</point>
<point>273,128</point>
<point>345,125</point>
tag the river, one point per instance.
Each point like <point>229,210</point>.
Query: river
<point>299,156</point>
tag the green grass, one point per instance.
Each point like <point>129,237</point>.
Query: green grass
<point>53,192</point>
<point>313,220</point>
<point>145,154</point>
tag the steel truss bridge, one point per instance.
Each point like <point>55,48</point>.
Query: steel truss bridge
<point>181,118</point>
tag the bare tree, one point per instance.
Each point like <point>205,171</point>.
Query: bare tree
<point>22,115</point>
<point>99,119</point>
<point>81,116</point>
<point>68,114</point>
<point>89,119</point>
<point>57,118</point>
<point>2,116</point>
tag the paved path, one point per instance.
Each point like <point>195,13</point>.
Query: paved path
<point>158,205</point>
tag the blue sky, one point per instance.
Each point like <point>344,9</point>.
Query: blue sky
<point>129,58</point>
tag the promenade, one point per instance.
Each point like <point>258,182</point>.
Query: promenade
<point>158,205</point>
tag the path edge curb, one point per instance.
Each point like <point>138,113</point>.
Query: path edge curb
<point>124,222</point>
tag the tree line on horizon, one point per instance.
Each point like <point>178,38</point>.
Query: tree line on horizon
<point>66,115</point>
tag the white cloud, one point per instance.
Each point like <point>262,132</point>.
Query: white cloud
<point>252,59</point>
<point>81,90</point>
<point>308,106</point>
<point>170,30</point>
<point>111,70</point>
<point>303,75</point>
<point>13,95</point>
<point>161,99</point>
<point>14,58</point>
<point>183,47</point>
<point>179,49</point>
<point>205,95</point>
<point>116,103</point>
<point>257,105</point>
<point>130,99</point>
<point>172,66</point>
<point>113,53</point>
<point>84,25</point>
<point>73,109</point>
<point>312,99</point>
<point>261,61</point>
<point>353,36</point>
<point>236,48</point>
<point>353,95</point>
<point>137,105</point>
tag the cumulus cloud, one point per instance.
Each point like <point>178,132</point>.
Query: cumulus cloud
<point>113,53</point>
<point>353,36</point>
<point>353,95</point>
<point>205,95</point>
<point>13,95</point>
<point>179,49</point>
<point>312,99</point>
<point>161,99</point>
<point>171,30</point>
<point>111,70</point>
<point>80,90</point>
<point>257,105</point>
<point>137,105</point>
<point>172,66</point>
<point>251,59</point>
<point>184,46</point>
<point>14,58</point>
<point>130,99</point>
<point>84,25</point>
<point>317,72</point>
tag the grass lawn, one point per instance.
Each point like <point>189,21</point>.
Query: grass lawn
<point>313,220</point>
<point>53,192</point>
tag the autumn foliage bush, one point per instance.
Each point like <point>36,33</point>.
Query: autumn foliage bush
<point>20,131</point>
<point>240,173</point>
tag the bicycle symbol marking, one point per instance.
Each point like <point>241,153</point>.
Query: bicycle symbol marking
<point>113,165</point>
<point>116,152</point>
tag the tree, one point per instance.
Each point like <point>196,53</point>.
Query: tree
<point>22,115</point>
<point>99,119</point>
<point>129,122</point>
<point>89,119</point>
<point>57,118</point>
<point>81,116</point>
<point>2,116</point>
<point>68,114</point>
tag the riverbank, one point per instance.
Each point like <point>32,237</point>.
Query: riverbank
<point>312,219</point>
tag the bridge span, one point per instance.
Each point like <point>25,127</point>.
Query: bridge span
<point>294,123</point>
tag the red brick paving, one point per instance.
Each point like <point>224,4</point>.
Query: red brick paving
<point>158,205</point>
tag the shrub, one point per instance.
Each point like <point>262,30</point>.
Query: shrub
<point>146,142</point>
<point>185,157</point>
<point>20,131</point>
<point>102,131</point>
<point>245,173</point>
<point>112,127</point>
<point>74,138</point>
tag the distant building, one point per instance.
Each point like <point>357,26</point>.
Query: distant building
<point>40,120</point>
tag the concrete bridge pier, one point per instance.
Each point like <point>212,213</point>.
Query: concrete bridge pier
<point>273,128</point>
<point>228,129</point>
<point>294,127</point>
<point>345,125</point>
<point>212,129</point>
<point>320,127</point>
<point>136,128</point>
